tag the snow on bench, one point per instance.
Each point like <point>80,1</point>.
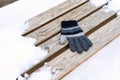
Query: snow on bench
<point>101,27</point>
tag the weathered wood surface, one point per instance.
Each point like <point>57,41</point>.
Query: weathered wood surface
<point>96,23</point>
<point>68,60</point>
<point>52,28</point>
<point>53,13</point>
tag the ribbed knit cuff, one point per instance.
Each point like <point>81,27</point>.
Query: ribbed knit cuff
<point>69,24</point>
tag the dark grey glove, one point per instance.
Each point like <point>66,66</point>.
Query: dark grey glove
<point>77,40</point>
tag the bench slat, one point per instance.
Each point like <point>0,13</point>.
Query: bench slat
<point>45,17</point>
<point>68,60</point>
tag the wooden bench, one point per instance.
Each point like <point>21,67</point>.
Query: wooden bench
<point>101,27</point>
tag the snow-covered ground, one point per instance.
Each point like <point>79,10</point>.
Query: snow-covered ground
<point>18,53</point>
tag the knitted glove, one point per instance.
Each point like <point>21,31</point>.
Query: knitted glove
<point>77,40</point>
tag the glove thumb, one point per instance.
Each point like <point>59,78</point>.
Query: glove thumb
<point>63,39</point>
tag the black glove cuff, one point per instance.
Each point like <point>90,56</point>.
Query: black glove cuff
<point>69,24</point>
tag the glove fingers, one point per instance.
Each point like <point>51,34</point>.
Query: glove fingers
<point>71,43</point>
<point>78,45</point>
<point>84,44</point>
<point>89,43</point>
<point>63,39</point>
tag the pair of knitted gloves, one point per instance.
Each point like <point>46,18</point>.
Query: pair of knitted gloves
<point>77,40</point>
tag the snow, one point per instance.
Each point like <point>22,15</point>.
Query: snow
<point>104,65</point>
<point>19,53</point>
<point>22,10</point>
<point>43,73</point>
<point>112,5</point>
<point>99,2</point>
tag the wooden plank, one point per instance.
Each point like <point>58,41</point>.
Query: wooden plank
<point>68,60</point>
<point>53,28</point>
<point>57,11</point>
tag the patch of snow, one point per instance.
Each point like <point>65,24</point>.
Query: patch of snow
<point>111,4</point>
<point>17,53</point>
<point>44,73</point>
<point>118,12</point>
<point>114,5</point>
<point>99,2</point>
<point>23,10</point>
